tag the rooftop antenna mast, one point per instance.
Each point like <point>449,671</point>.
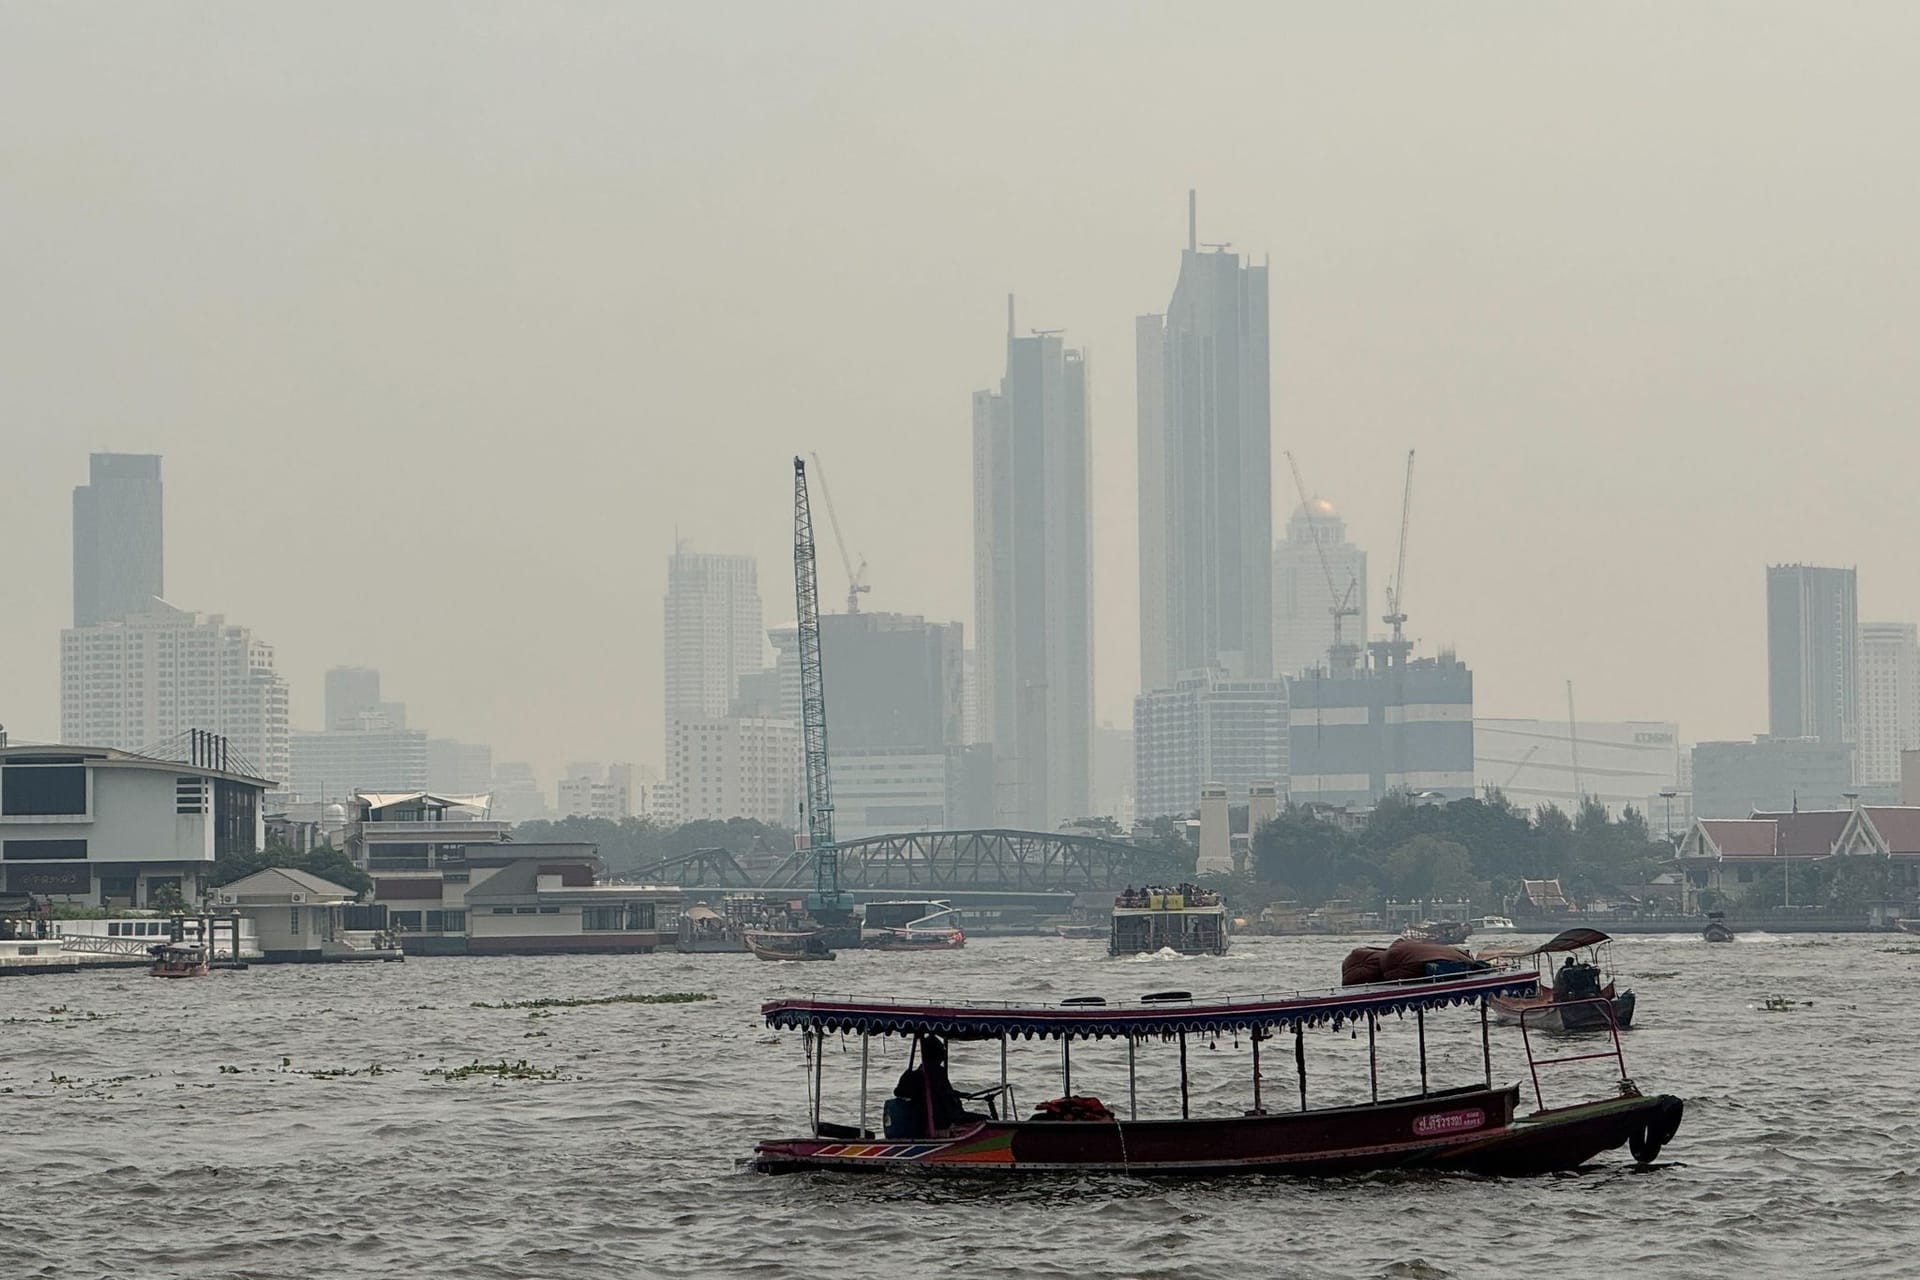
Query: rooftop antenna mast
<point>1341,656</point>
<point>856,578</point>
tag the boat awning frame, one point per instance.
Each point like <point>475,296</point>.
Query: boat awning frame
<point>1569,940</point>
<point>977,1020</point>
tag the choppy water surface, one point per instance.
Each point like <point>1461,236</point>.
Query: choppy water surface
<point>203,1129</point>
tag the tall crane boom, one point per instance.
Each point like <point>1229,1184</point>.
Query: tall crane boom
<point>856,578</point>
<point>827,904</point>
<point>1341,655</point>
<point>1397,590</point>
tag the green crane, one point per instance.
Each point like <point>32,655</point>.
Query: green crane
<point>827,904</point>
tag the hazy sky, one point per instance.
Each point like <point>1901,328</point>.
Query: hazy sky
<point>447,316</point>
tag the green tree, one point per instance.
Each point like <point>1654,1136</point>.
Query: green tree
<point>1429,867</point>
<point>1313,856</point>
<point>324,861</point>
<point>1165,854</point>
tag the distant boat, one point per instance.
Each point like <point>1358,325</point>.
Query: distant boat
<point>1081,932</point>
<point>1907,926</point>
<point>1717,930</point>
<point>912,925</point>
<point>768,945</point>
<point>1495,924</point>
<point>702,929</point>
<point>1450,933</point>
<point>178,960</point>
<point>1571,998</point>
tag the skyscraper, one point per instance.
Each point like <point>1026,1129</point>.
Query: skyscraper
<point>1033,580</point>
<point>1813,638</point>
<point>1302,603</point>
<point>1206,500</point>
<point>713,633</point>
<point>117,552</point>
<point>1889,699</point>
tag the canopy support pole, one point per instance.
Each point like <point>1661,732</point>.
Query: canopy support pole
<point>1256,1072</point>
<point>1486,1043</point>
<point>1300,1060</point>
<point>1066,1066</point>
<point>1004,1100</point>
<point>1133,1088</point>
<point>1420,1017</point>
<point>866,1044</point>
<point>819,1069</point>
<point>1373,1060</point>
<point>1183,1075</point>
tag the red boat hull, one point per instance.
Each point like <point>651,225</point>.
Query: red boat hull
<point>1472,1129</point>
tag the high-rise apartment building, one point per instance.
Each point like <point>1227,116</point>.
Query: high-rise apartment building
<point>732,767</point>
<point>1033,580</point>
<point>1813,639</point>
<point>587,791</point>
<point>141,680</point>
<point>1206,497</point>
<point>374,755</point>
<point>1208,727</point>
<point>117,547</point>
<point>1302,602</point>
<point>351,692</point>
<point>1889,700</point>
<point>1391,726</point>
<point>459,768</point>
<point>713,632</point>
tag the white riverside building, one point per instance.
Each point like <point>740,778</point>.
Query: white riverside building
<point>138,682</point>
<point>1619,762</point>
<point>588,791</point>
<point>1889,700</point>
<point>101,827</point>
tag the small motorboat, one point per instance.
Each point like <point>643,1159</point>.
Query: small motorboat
<point>1081,932</point>
<point>178,960</point>
<point>1583,995</point>
<point>1905,925</point>
<point>1495,924</point>
<point>937,930</point>
<point>768,945</point>
<point>1717,930</point>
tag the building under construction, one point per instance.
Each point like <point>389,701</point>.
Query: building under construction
<point>1393,723</point>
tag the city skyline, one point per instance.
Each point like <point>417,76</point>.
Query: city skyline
<point>1680,342</point>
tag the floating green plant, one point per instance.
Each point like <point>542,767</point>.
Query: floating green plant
<point>501,1070</point>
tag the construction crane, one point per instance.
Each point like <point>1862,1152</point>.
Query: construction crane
<point>827,904</point>
<point>1519,766</point>
<point>856,578</point>
<point>1396,613</point>
<point>1341,656</point>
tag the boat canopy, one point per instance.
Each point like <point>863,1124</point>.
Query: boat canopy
<point>1089,1019</point>
<point>1571,940</point>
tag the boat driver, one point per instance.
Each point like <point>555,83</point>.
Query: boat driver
<point>932,1094</point>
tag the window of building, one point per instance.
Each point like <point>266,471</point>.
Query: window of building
<point>549,911</point>
<point>525,911</point>
<point>189,795</point>
<point>405,921</point>
<point>55,786</point>
<point>503,911</point>
<point>44,850</point>
<point>293,920</point>
<point>600,919</point>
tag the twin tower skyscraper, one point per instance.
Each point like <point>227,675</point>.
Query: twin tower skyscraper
<point>1206,525</point>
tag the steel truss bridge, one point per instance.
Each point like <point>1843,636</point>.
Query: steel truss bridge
<point>926,861</point>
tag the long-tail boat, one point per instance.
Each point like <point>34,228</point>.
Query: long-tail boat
<point>1477,1127</point>
<point>1567,1000</point>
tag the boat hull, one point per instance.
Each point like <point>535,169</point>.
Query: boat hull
<point>1470,1130</point>
<point>1578,1015</point>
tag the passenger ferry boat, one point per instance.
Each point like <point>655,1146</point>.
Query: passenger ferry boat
<point>1188,919</point>
<point>1477,1127</point>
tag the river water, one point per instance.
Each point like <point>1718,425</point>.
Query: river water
<point>235,1126</point>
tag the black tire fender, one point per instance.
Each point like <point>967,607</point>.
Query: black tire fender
<point>1656,1131</point>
